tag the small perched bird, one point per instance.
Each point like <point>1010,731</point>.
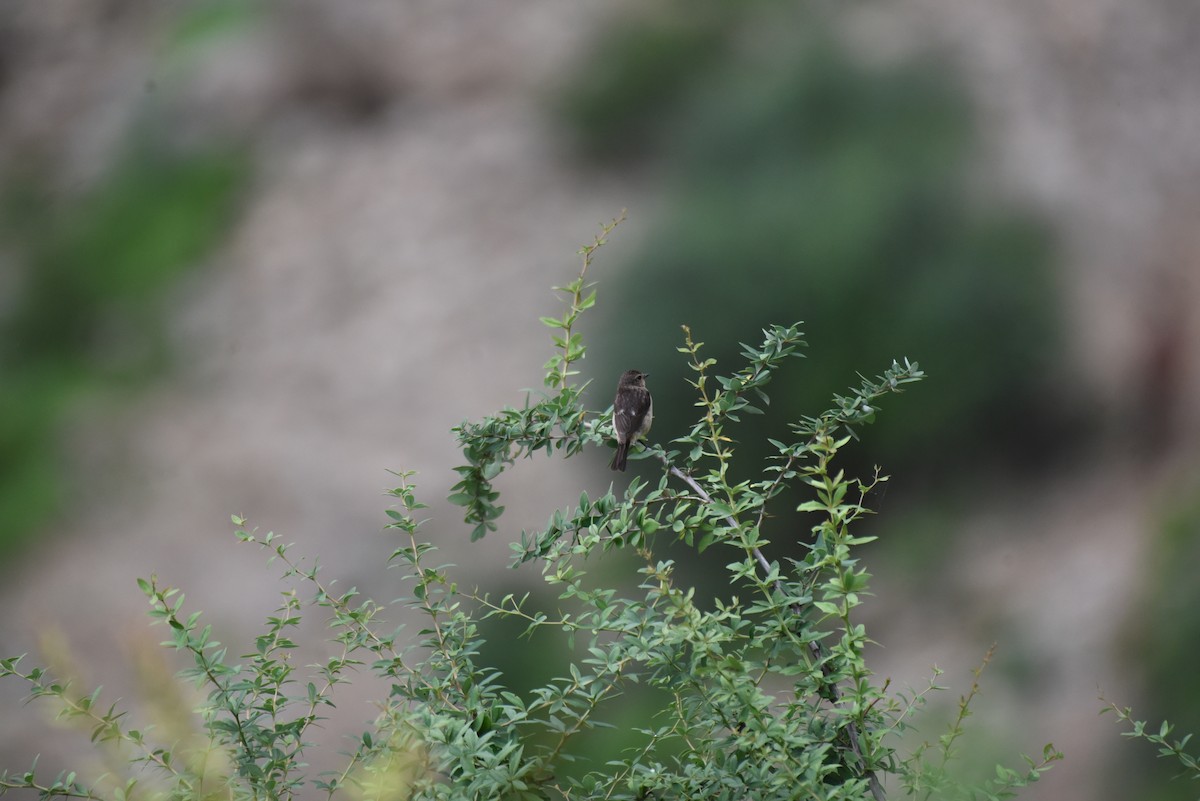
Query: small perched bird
<point>633,412</point>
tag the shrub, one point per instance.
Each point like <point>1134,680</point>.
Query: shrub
<point>765,695</point>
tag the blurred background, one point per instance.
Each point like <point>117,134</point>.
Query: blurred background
<point>254,255</point>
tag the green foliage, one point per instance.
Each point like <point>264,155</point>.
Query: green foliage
<point>1174,750</point>
<point>554,423</point>
<point>765,695</point>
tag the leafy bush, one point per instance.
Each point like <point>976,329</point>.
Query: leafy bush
<point>765,695</point>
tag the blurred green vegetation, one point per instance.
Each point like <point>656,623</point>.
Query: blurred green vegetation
<point>87,279</point>
<point>803,184</point>
<point>805,181</point>
<point>1163,648</point>
<point>199,24</point>
<point>86,272</point>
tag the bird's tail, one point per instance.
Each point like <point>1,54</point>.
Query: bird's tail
<point>618,462</point>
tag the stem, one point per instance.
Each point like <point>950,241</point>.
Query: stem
<point>576,288</point>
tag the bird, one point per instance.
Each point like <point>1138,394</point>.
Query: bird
<point>633,412</point>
